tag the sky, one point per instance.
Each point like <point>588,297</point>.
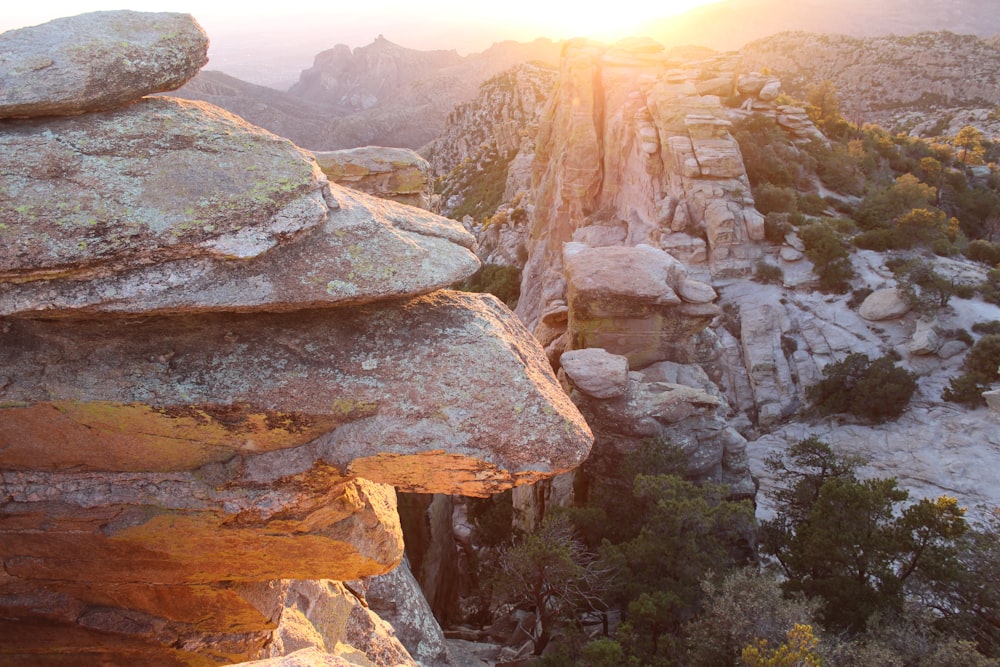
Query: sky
<point>467,25</point>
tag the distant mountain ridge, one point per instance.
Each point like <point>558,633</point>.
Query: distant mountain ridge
<point>380,94</point>
<point>730,24</point>
<point>922,83</point>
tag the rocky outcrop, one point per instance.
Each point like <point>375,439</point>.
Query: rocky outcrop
<point>637,142</point>
<point>503,113</point>
<point>665,401</point>
<point>151,232</point>
<point>96,61</point>
<point>398,174</point>
<point>216,366</point>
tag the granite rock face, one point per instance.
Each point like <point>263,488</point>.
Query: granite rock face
<point>96,61</point>
<point>216,367</point>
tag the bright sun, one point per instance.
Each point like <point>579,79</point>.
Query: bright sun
<point>607,20</point>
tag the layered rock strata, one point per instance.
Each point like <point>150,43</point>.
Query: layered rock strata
<point>216,368</point>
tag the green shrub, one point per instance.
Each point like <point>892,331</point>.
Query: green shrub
<point>879,240</point>
<point>984,252</point>
<point>873,390</point>
<point>831,262</point>
<point>811,204</point>
<point>503,282</point>
<point>769,274</point>
<point>980,371</point>
<point>991,327</point>
<point>776,227</point>
<point>774,199</point>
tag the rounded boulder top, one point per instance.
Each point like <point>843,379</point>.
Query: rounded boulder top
<point>97,61</point>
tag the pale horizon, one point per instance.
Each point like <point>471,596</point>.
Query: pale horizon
<point>438,24</point>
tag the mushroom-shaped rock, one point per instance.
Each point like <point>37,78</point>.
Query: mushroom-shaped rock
<point>96,61</point>
<point>174,206</point>
<point>624,300</point>
<point>884,304</point>
<point>386,392</point>
<point>595,372</point>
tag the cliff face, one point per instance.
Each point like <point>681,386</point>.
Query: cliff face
<point>634,149</point>
<point>216,368</point>
<point>639,201</point>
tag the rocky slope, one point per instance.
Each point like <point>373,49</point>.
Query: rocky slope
<point>217,366</point>
<point>930,83</point>
<point>649,308</point>
<point>381,94</point>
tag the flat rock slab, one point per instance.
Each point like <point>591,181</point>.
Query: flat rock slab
<point>446,393</point>
<point>97,61</point>
<point>172,206</point>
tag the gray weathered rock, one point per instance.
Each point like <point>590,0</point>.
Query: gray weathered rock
<point>181,206</point>
<point>952,348</point>
<point>884,304</point>
<point>397,599</point>
<point>96,61</point>
<point>695,291</point>
<point>595,372</point>
<point>399,174</point>
<point>348,627</point>
<point>676,403</point>
<point>925,338</point>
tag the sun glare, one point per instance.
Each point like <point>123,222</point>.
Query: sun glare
<point>609,20</point>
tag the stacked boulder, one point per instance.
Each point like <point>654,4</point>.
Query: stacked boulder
<point>215,365</point>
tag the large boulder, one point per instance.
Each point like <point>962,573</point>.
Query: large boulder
<point>625,300</point>
<point>884,304</point>
<point>399,174</point>
<point>669,402</point>
<point>181,206</point>
<point>96,61</point>
<point>596,372</point>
